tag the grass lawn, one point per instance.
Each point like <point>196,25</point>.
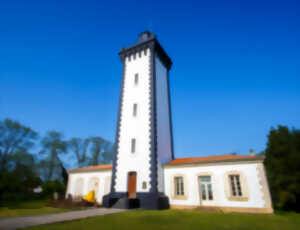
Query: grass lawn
<point>27,208</point>
<point>175,219</point>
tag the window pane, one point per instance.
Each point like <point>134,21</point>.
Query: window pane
<point>181,186</point>
<point>203,192</point>
<point>136,79</point>
<point>205,179</point>
<point>134,110</point>
<point>233,189</point>
<point>238,184</point>
<point>133,145</point>
<point>210,194</point>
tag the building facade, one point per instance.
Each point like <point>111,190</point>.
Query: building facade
<point>144,172</point>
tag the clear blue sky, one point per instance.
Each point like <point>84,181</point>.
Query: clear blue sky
<point>236,67</point>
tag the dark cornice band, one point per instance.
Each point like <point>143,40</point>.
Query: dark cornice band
<point>136,50</point>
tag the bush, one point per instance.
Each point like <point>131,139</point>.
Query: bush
<point>49,187</point>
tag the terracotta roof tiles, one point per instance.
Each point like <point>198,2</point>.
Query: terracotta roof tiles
<point>182,161</point>
<point>214,159</point>
<point>92,168</point>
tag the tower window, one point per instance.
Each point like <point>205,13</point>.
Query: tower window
<point>133,143</point>
<point>134,110</point>
<point>136,79</point>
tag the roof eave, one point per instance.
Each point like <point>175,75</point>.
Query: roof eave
<point>254,159</point>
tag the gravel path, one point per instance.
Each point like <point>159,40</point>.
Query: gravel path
<point>22,222</point>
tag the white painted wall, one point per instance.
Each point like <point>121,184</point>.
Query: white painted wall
<point>103,186</point>
<point>253,188</point>
<point>135,127</point>
<point>164,153</point>
<point>255,192</point>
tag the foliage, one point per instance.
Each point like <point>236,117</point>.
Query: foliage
<point>79,148</point>
<point>53,146</point>
<point>14,137</point>
<point>49,187</point>
<point>21,170</point>
<point>18,182</point>
<point>180,219</point>
<point>283,167</point>
<point>101,151</point>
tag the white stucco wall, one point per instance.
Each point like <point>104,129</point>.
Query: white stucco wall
<point>164,152</point>
<point>104,179</point>
<point>253,188</point>
<point>135,127</point>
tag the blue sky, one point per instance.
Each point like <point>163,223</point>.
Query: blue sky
<point>235,74</point>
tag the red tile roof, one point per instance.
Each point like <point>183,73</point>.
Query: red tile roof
<point>92,168</point>
<point>214,159</point>
<point>181,161</point>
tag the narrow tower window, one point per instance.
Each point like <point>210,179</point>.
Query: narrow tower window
<point>136,79</point>
<point>134,110</point>
<point>133,142</point>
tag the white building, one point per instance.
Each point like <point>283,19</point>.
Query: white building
<point>144,172</point>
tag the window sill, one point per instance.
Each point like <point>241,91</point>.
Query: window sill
<point>233,198</point>
<point>183,197</point>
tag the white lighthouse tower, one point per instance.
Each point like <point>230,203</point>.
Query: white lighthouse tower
<point>144,140</point>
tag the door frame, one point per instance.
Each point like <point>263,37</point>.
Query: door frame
<point>201,201</point>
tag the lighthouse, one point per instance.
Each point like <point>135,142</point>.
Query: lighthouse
<point>144,140</point>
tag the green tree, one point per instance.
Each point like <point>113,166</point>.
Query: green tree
<point>14,137</point>
<point>283,167</point>
<point>108,155</point>
<point>53,146</point>
<point>100,151</point>
<point>79,148</point>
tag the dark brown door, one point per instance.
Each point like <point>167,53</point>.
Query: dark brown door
<point>132,184</point>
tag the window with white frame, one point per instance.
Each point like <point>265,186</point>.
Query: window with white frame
<point>206,188</point>
<point>179,186</point>
<point>133,145</point>
<point>134,111</point>
<point>235,185</point>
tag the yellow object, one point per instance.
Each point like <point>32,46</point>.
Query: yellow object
<point>90,197</point>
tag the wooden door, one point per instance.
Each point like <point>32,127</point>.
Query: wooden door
<point>132,184</point>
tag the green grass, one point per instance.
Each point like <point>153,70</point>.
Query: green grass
<point>174,219</point>
<point>27,208</point>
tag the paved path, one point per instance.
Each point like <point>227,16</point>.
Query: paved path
<point>22,222</point>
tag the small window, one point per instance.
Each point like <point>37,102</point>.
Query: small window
<point>235,184</point>
<point>144,185</point>
<point>179,186</point>
<point>136,79</point>
<point>134,112</point>
<point>133,143</point>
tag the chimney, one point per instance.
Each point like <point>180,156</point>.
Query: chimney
<point>252,152</point>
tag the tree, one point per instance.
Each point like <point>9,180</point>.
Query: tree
<point>108,155</point>
<point>99,150</point>
<point>14,137</point>
<point>79,147</point>
<point>283,167</point>
<point>20,178</point>
<point>53,146</point>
